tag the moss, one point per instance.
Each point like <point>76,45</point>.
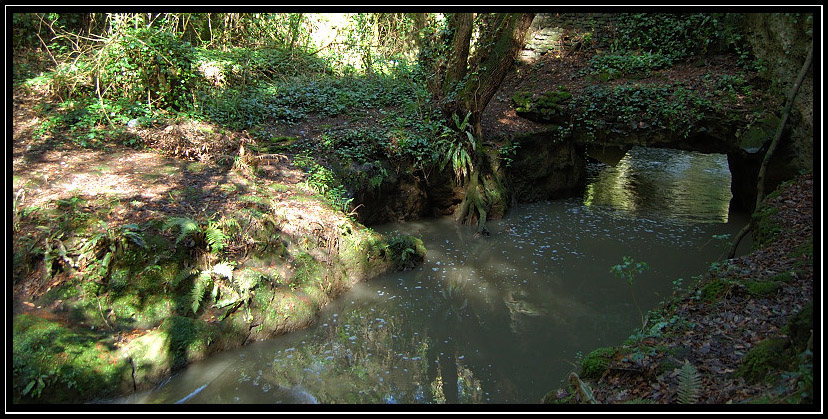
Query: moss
<point>596,362</point>
<point>768,355</point>
<point>713,290</point>
<point>522,101</point>
<point>784,277</point>
<point>755,137</point>
<point>764,226</point>
<point>405,251</point>
<point>801,326</point>
<point>58,364</point>
<point>177,341</point>
<point>762,288</point>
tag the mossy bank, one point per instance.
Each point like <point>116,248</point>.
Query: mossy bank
<point>118,308</point>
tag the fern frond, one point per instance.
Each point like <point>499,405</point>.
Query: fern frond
<point>215,238</point>
<point>182,275</point>
<point>228,223</point>
<point>186,227</point>
<point>224,269</point>
<point>201,283</point>
<point>130,232</point>
<point>689,384</point>
<point>640,401</point>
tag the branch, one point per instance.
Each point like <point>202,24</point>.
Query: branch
<point>760,182</point>
<point>760,179</point>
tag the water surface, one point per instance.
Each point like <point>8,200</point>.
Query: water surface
<point>499,319</point>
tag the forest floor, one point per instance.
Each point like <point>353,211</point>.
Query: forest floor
<point>147,183</point>
<point>725,316</point>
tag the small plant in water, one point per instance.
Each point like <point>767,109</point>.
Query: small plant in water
<point>627,270</point>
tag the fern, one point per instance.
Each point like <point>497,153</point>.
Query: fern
<point>640,401</point>
<point>186,227</point>
<point>211,235</point>
<point>215,238</point>
<point>224,269</point>
<point>689,384</point>
<point>182,275</point>
<point>203,280</point>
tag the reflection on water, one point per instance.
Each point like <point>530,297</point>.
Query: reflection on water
<point>674,184</point>
<point>501,319</point>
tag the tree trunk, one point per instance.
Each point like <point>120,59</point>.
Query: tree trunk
<point>494,58</point>
<point>496,62</point>
<point>461,24</point>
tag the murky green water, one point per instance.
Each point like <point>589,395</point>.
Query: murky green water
<point>501,319</point>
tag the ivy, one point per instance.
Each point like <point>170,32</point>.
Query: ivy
<point>678,36</point>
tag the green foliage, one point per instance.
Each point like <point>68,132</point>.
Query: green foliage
<point>291,100</point>
<point>522,101</point>
<point>325,183</point>
<point>601,110</point>
<point>207,235</point>
<point>457,148</point>
<point>612,66</point>
<point>508,151</point>
<point>111,243</point>
<point>627,270</point>
<point>640,401</point>
<point>689,384</point>
<point>52,363</point>
<point>149,65</point>
<point>406,251</point>
<point>596,362</point>
<point>239,67</point>
<point>675,35</point>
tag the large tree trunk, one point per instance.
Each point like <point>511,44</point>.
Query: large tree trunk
<point>493,59</point>
<point>502,39</point>
<point>463,79</point>
<point>496,62</point>
<point>462,26</point>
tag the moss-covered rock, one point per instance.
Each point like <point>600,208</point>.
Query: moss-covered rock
<point>801,326</point>
<point>596,362</point>
<point>769,355</point>
<point>546,108</point>
<point>764,226</point>
<point>177,341</point>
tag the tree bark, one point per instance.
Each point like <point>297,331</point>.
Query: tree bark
<point>496,62</point>
<point>461,24</point>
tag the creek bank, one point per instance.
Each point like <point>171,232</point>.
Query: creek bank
<point>74,345</point>
<point>117,288</point>
<point>740,333</point>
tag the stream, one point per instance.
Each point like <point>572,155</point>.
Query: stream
<point>499,319</point>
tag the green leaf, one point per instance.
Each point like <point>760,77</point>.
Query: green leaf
<point>689,384</point>
<point>29,387</point>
